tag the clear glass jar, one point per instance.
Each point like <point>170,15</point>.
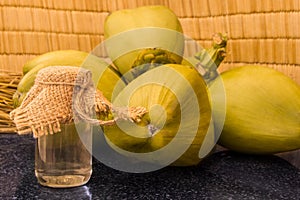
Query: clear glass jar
<point>64,159</point>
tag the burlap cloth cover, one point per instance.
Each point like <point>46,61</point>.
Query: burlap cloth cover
<point>62,95</point>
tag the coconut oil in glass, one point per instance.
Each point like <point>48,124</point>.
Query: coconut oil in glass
<point>64,159</point>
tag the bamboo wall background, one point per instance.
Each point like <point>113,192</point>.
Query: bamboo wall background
<point>265,32</point>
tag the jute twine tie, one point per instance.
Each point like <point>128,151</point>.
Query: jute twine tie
<point>62,95</point>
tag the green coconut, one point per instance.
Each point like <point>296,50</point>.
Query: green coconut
<point>262,111</point>
<point>178,122</point>
<point>142,38</point>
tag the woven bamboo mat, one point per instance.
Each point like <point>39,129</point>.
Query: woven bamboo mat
<point>260,32</point>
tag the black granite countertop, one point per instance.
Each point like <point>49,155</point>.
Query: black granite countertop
<point>222,175</point>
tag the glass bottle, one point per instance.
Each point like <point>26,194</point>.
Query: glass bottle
<point>64,159</point>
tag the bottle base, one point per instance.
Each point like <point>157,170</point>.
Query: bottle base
<point>63,181</point>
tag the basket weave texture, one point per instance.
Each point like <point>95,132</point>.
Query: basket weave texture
<point>259,32</point>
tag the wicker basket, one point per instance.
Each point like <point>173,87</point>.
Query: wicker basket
<point>8,86</point>
<point>259,32</point>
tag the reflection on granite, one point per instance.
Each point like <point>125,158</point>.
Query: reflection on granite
<point>223,175</point>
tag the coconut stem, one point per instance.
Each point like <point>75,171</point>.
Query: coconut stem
<point>148,59</point>
<point>208,60</point>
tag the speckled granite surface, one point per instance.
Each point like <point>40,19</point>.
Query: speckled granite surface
<point>223,175</point>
